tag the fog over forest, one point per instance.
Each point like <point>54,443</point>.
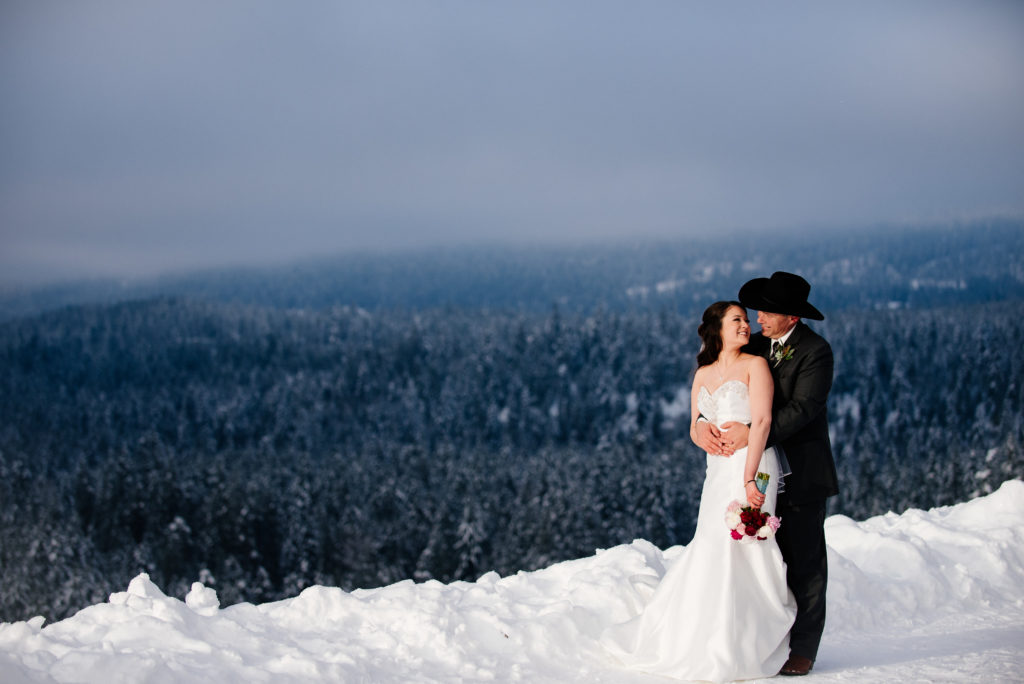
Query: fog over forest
<point>357,421</point>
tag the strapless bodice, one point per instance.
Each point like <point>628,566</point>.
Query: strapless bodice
<point>731,401</point>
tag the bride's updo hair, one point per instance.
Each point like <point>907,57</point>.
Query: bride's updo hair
<point>710,331</point>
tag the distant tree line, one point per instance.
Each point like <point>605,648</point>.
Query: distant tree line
<point>866,267</point>
<point>262,450</point>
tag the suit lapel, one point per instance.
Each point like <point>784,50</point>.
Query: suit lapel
<point>793,343</point>
<point>798,332</point>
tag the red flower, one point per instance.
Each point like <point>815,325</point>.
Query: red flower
<point>746,521</point>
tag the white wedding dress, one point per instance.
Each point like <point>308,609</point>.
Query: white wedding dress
<point>722,612</point>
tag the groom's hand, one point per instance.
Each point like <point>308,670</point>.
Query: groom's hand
<point>709,438</point>
<point>735,436</point>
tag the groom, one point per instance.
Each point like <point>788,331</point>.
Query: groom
<point>801,364</point>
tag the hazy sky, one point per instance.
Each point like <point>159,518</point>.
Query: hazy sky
<point>139,137</point>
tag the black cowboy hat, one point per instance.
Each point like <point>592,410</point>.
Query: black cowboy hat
<point>783,293</point>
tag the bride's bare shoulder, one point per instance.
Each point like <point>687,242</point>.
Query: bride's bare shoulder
<point>755,364</point>
<point>753,358</point>
<point>700,374</point>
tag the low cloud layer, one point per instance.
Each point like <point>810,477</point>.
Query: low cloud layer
<point>142,138</point>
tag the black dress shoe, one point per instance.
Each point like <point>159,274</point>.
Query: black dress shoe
<point>796,666</point>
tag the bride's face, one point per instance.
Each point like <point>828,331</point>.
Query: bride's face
<point>735,328</point>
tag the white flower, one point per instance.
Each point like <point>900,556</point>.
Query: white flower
<point>732,520</point>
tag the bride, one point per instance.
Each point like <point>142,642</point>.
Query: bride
<point>722,612</point>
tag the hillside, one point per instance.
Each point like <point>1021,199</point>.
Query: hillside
<point>923,596</point>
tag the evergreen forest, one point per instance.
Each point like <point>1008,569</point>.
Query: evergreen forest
<point>264,448</point>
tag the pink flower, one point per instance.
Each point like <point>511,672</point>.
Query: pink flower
<point>747,523</point>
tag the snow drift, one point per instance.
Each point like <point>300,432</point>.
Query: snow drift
<point>930,596</point>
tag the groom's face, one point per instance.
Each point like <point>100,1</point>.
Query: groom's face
<point>774,326</point>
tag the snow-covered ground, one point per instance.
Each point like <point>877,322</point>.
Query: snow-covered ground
<point>934,596</point>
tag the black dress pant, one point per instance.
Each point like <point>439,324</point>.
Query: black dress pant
<point>801,539</point>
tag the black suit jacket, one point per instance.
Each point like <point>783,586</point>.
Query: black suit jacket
<point>799,413</point>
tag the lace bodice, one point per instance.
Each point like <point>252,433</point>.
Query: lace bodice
<point>731,401</point>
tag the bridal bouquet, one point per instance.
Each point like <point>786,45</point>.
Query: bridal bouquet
<point>747,523</point>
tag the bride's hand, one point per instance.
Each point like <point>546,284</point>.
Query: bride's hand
<point>735,435</point>
<point>754,496</point>
<point>709,438</point>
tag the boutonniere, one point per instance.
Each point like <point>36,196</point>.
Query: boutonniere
<point>784,353</point>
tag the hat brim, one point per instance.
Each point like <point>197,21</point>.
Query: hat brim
<point>755,295</point>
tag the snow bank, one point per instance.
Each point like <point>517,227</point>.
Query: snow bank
<point>923,595</point>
